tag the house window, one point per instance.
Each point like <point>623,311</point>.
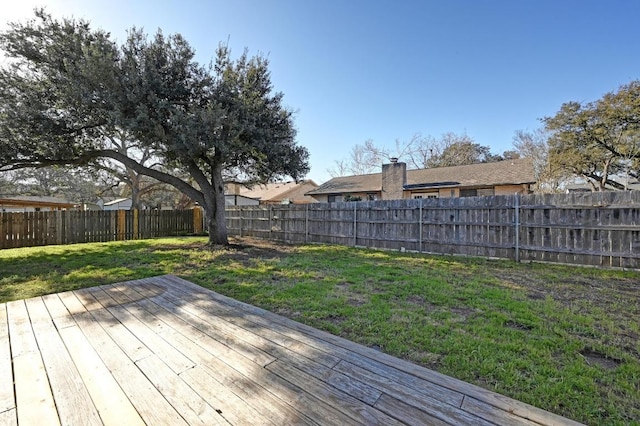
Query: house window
<point>428,195</point>
<point>333,198</point>
<point>469,192</point>
<point>485,192</point>
<point>372,196</point>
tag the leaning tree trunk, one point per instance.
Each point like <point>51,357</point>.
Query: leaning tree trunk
<point>214,210</point>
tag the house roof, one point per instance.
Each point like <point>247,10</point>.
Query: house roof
<point>34,201</point>
<point>357,183</point>
<point>508,172</point>
<point>116,201</point>
<point>277,191</point>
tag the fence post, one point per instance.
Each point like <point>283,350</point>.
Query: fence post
<point>122,225</point>
<point>306,223</point>
<point>240,231</point>
<point>197,221</point>
<point>517,226</point>
<point>420,225</point>
<point>355,223</point>
<point>2,232</point>
<point>58,231</point>
<point>270,212</point>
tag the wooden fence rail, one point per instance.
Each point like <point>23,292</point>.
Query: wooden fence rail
<point>67,227</point>
<point>601,229</point>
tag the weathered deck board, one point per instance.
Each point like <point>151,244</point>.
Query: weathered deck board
<point>69,392</point>
<point>8,418</point>
<point>30,379</point>
<point>165,351</point>
<point>242,386</point>
<point>113,405</point>
<point>7,398</point>
<point>192,406</point>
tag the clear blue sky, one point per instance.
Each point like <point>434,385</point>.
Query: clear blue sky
<point>388,69</point>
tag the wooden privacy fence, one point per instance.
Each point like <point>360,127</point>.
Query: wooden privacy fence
<point>600,229</point>
<point>67,227</point>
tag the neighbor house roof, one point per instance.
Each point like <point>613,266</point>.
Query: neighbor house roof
<point>34,201</point>
<point>116,201</point>
<point>508,172</point>
<point>357,183</point>
<point>277,191</point>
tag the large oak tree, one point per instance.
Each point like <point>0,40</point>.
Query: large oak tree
<point>68,89</point>
<point>598,140</point>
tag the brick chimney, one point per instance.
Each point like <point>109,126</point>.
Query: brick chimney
<point>232,188</point>
<point>394,177</point>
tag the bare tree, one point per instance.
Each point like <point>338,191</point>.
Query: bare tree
<point>363,159</point>
<point>419,152</point>
<point>534,145</point>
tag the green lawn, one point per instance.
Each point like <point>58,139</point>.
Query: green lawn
<point>565,339</point>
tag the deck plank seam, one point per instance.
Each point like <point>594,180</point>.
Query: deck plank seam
<point>271,363</point>
<point>115,311</point>
<point>299,414</point>
<point>169,325</point>
<point>244,325</point>
<point>91,340</point>
<point>205,327</point>
<point>13,371</point>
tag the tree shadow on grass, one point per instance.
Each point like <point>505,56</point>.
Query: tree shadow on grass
<point>52,269</point>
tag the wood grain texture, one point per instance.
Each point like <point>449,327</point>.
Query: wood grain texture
<point>110,400</point>
<point>72,399</point>
<point>8,418</point>
<point>34,401</point>
<point>7,397</point>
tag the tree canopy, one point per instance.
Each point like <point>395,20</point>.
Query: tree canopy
<point>69,91</point>
<point>598,140</point>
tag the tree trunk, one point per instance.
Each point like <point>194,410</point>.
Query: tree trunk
<point>134,183</point>
<point>135,198</point>
<point>214,209</point>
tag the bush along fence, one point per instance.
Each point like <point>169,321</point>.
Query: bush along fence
<point>601,229</point>
<point>71,226</point>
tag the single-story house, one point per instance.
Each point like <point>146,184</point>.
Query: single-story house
<point>272,193</point>
<point>396,182</point>
<point>28,203</point>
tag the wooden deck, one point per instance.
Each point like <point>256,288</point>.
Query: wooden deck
<point>166,351</point>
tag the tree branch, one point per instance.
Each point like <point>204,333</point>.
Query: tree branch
<point>177,183</point>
